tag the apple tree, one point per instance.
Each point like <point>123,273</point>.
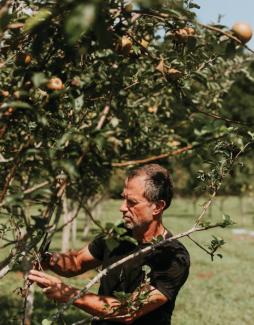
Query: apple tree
<point>87,87</point>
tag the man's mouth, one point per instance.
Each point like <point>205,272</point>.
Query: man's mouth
<point>127,219</point>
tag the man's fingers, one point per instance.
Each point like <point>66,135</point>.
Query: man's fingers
<point>44,276</point>
<point>39,280</point>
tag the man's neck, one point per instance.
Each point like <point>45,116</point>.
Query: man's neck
<point>152,231</point>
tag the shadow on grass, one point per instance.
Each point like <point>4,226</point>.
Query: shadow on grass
<point>12,311</point>
<point>44,308</point>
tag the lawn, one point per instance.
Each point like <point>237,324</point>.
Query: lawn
<point>219,292</point>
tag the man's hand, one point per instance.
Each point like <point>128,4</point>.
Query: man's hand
<point>52,286</point>
<point>71,263</point>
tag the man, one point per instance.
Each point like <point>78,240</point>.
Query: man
<point>147,193</point>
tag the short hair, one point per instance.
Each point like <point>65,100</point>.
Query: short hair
<point>158,184</point>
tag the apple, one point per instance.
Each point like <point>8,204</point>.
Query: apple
<point>23,59</point>
<point>55,84</point>
<point>242,31</point>
<point>124,45</point>
<point>128,7</point>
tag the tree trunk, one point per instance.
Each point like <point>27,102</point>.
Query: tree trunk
<point>67,229</point>
<point>242,209</point>
<point>95,206</point>
<point>29,306</point>
<point>70,222</point>
<point>74,233</point>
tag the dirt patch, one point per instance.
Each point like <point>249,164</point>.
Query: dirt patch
<point>243,237</point>
<point>205,275</point>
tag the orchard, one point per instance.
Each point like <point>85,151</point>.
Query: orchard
<point>89,89</point>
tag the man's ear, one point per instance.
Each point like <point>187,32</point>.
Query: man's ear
<point>159,207</point>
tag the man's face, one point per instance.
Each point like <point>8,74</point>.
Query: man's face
<point>136,209</point>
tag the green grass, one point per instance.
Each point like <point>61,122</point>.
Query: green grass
<point>219,292</point>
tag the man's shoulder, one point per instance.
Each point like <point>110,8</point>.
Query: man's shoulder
<point>172,252</point>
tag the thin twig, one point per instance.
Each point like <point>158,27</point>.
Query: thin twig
<point>219,117</point>
<point>71,219</point>
<point>200,246</point>
<point>36,187</point>
<point>88,212</point>
<point>103,117</point>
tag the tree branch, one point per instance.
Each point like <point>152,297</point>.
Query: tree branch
<point>12,172</point>
<point>154,158</point>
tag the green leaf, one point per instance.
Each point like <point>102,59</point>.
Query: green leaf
<point>78,103</point>
<point>120,230</point>
<point>121,295</point>
<point>37,19</point>
<point>146,269</point>
<point>17,104</point>
<point>130,239</point>
<point>46,322</point>
<point>226,221</point>
<point>70,168</point>
<point>79,21</point>
<point>39,79</point>
<point>112,243</point>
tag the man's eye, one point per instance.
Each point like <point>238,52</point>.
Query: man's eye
<point>130,202</point>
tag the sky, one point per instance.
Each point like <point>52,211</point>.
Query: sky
<point>231,10</point>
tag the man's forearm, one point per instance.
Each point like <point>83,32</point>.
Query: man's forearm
<point>103,307</point>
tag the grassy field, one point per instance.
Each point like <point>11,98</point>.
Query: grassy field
<point>219,292</point>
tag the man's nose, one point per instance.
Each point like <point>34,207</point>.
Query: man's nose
<point>123,206</point>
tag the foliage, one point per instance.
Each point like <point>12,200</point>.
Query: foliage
<point>86,85</point>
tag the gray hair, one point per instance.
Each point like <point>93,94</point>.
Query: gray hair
<point>158,184</point>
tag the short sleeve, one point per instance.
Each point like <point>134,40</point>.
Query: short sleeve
<point>169,280</point>
<point>97,248</point>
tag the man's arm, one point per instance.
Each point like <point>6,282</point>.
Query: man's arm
<point>72,263</point>
<point>96,305</point>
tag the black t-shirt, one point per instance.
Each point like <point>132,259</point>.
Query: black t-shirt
<point>169,266</point>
